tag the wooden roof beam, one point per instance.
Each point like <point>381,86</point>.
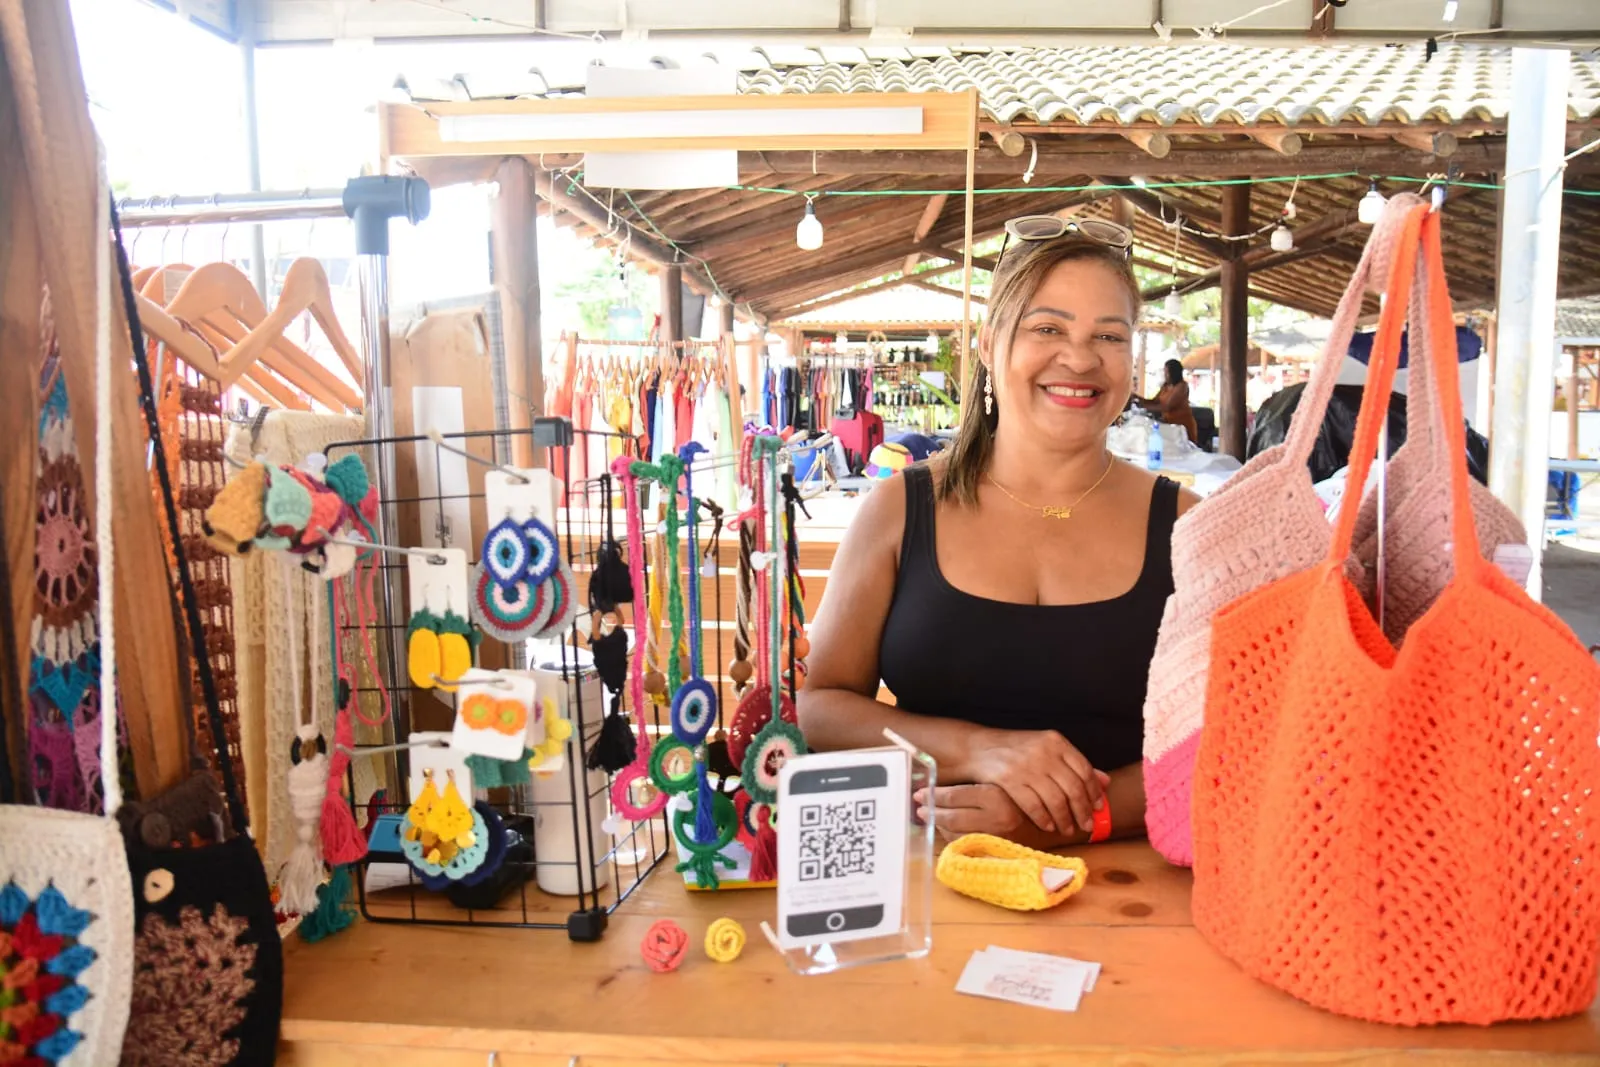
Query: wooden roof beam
<point>1156,207</point>
<point>1284,142</point>
<point>639,243</point>
<point>1441,144</point>
<point>945,289</point>
<point>1151,142</point>
<point>934,249</point>
<point>925,224</point>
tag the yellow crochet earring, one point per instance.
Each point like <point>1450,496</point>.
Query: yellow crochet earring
<point>451,819</point>
<point>417,815</point>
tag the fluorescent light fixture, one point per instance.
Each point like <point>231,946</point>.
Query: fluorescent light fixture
<point>703,122</point>
<point>1450,10</point>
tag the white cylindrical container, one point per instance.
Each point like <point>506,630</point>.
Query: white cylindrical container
<point>556,795</point>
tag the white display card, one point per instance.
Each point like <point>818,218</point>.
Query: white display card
<point>497,688</point>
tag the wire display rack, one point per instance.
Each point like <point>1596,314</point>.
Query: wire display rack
<point>611,855</point>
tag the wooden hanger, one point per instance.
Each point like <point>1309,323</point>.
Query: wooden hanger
<point>220,295</point>
<point>305,288</point>
<point>198,344</point>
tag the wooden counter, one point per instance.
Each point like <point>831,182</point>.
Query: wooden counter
<point>407,996</point>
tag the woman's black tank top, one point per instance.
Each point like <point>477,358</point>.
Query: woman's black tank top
<point>1077,668</point>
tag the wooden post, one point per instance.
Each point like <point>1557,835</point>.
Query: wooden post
<point>1235,324</point>
<point>1573,405</point>
<point>672,303</point>
<point>726,318</point>
<point>513,234</point>
<point>1139,367</point>
<point>1122,211</point>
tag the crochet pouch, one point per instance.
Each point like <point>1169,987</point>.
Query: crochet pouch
<point>208,964</point>
<point>1403,835</point>
<point>66,903</point>
<point>1264,523</point>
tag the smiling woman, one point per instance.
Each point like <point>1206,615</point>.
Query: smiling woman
<point>1009,593</point>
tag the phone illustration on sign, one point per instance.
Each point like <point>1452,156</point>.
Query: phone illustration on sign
<point>841,846</point>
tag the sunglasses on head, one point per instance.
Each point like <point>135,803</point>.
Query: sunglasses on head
<point>1049,227</point>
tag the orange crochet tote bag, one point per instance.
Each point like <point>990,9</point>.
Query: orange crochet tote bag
<point>1403,836</point>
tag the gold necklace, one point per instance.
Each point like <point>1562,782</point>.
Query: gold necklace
<point>1051,511</point>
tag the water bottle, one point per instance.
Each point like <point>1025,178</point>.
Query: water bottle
<point>1152,457</point>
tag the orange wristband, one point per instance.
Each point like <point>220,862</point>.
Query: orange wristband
<point>1102,824</point>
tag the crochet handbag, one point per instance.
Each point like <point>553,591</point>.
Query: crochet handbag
<point>208,964</point>
<point>1264,523</point>
<point>1403,836</point>
<point>1417,512</point>
<point>1267,522</point>
<point>66,902</point>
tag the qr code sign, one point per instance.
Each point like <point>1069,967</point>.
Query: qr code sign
<point>837,840</point>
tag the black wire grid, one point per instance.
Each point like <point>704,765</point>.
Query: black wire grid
<point>637,849</point>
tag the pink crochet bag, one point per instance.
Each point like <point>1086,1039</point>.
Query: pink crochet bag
<point>1267,522</point>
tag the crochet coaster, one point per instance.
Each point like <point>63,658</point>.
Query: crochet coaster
<point>1008,875</point>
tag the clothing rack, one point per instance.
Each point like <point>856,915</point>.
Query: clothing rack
<point>369,202</point>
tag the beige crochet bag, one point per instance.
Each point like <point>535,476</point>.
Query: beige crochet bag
<point>66,898</point>
<point>1267,523</point>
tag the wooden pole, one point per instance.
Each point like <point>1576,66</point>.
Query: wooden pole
<point>966,261</point>
<point>1235,341</point>
<point>514,239</point>
<point>672,303</point>
<point>725,318</point>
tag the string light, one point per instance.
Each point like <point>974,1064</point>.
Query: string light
<point>808,234</point>
<point>1370,209</point>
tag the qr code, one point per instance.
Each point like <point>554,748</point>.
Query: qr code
<point>837,840</point>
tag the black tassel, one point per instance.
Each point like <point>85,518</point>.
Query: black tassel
<point>610,584</point>
<point>611,658</point>
<point>614,748</point>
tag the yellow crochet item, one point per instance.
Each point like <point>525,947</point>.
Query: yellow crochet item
<point>995,870</point>
<point>235,516</point>
<point>724,940</point>
<point>556,732</point>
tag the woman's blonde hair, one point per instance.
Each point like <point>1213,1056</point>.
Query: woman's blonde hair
<point>1020,273</point>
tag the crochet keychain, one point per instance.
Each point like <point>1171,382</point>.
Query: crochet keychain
<point>638,770</point>
<point>766,700</point>
<point>713,814</point>
<point>301,874</point>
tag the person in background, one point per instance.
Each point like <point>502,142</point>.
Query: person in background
<point>1171,402</point>
<point>1008,591</point>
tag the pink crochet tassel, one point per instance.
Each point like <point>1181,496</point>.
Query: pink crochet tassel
<point>341,838</point>
<point>764,857</point>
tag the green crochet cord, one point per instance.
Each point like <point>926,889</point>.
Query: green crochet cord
<point>704,858</point>
<point>666,475</point>
<point>768,447</point>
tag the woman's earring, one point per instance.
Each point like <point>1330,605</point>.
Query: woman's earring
<point>988,393</point>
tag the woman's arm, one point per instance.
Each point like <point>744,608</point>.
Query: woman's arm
<point>987,809</point>
<point>837,706</point>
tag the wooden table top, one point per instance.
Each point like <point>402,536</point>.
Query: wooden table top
<point>411,995</point>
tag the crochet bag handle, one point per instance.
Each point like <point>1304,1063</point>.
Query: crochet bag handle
<point>1380,380</point>
<point>1375,270</point>
<point>190,600</point>
<point>104,497</point>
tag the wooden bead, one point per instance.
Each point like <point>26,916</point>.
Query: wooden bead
<point>655,682</point>
<point>802,647</point>
<point>740,671</point>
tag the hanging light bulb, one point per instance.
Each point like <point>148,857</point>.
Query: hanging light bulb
<point>1174,304</point>
<point>1282,239</point>
<point>931,345</point>
<point>1370,209</point>
<point>808,235</point>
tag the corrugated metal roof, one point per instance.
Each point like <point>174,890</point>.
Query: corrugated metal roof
<point>1210,84</point>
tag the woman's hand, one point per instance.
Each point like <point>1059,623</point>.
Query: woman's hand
<point>1048,779</point>
<point>974,809</point>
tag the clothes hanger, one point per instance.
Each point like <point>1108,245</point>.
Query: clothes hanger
<point>222,296</point>
<point>199,344</point>
<point>305,288</point>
